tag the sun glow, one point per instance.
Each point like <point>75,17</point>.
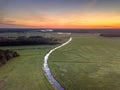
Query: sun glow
<point>78,20</point>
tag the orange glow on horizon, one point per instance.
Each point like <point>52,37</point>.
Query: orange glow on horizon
<point>87,20</point>
<point>61,14</point>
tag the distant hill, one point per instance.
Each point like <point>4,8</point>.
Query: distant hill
<point>88,30</point>
<point>69,30</point>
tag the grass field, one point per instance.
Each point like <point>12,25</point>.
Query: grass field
<point>89,62</point>
<point>25,72</point>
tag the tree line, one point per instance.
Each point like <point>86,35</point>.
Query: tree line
<point>33,40</point>
<point>110,34</point>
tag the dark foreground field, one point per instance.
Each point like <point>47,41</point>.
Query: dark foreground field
<point>89,62</point>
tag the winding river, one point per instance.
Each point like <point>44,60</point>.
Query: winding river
<point>47,69</point>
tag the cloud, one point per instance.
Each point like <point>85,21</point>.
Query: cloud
<point>10,23</point>
<point>4,20</point>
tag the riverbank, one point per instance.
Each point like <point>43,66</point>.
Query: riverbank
<point>47,70</point>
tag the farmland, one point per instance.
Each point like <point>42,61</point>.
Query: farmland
<point>25,72</point>
<point>89,62</point>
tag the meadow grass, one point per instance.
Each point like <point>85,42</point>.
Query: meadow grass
<point>88,62</point>
<point>26,71</point>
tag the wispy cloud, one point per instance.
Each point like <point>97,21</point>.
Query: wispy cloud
<point>10,23</point>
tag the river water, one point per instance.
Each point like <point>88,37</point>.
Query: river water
<point>47,69</point>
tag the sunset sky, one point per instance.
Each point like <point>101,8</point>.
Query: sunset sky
<point>60,13</point>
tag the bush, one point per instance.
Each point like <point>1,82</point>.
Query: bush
<point>6,55</point>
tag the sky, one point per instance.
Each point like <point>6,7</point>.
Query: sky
<point>60,13</point>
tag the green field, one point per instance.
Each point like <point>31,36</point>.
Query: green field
<point>89,62</point>
<point>25,72</point>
